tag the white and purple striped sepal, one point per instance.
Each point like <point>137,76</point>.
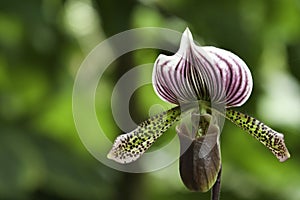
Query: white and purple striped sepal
<point>202,73</point>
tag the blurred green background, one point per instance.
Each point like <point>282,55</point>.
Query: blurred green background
<point>42,46</point>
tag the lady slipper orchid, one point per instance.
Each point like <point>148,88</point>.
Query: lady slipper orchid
<point>208,76</point>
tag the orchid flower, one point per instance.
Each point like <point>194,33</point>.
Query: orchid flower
<point>200,80</point>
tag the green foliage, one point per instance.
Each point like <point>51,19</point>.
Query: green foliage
<point>42,46</point>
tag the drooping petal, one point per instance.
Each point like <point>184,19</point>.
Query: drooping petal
<point>130,146</point>
<point>201,73</point>
<point>267,136</point>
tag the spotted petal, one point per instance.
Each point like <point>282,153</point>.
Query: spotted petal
<point>130,146</point>
<point>202,73</point>
<point>267,136</point>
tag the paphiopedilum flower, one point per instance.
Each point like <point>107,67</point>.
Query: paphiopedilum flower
<point>208,76</point>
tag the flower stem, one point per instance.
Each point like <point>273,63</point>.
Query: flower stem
<point>216,190</point>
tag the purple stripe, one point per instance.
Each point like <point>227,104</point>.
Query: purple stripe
<point>229,84</point>
<point>237,84</point>
<point>242,90</point>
